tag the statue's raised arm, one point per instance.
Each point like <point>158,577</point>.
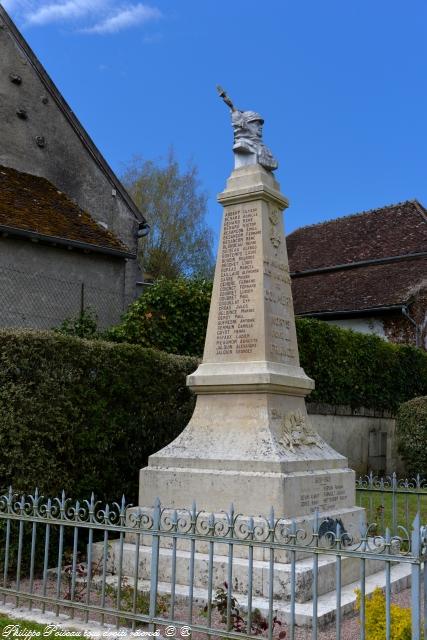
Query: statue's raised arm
<point>248,146</point>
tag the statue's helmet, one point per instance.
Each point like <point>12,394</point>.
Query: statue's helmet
<point>253,116</point>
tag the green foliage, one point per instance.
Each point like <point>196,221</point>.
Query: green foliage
<point>84,415</point>
<point>349,368</point>
<point>357,369</point>
<point>375,614</point>
<point>411,426</point>
<point>28,629</point>
<point>141,602</point>
<point>171,315</point>
<point>230,609</point>
<point>84,325</point>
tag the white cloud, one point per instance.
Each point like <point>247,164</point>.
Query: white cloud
<point>63,11</point>
<point>126,17</point>
<point>88,16</point>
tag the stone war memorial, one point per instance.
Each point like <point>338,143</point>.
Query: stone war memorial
<point>249,441</point>
<point>249,462</point>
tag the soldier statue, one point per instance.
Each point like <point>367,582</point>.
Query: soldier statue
<point>248,146</point>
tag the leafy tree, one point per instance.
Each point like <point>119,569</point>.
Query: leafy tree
<point>179,242</point>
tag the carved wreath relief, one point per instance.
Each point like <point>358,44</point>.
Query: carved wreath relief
<point>274,217</point>
<point>275,238</point>
<point>296,431</point>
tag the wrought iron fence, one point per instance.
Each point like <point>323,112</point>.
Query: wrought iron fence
<point>391,501</point>
<point>216,575</point>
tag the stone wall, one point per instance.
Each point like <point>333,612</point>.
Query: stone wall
<point>366,437</point>
<point>361,325</point>
<point>63,158</point>
<point>41,285</point>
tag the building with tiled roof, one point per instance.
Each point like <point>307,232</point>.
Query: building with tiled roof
<point>32,207</point>
<point>68,228</point>
<point>366,271</point>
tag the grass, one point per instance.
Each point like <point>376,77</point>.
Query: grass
<point>379,509</point>
<point>32,629</point>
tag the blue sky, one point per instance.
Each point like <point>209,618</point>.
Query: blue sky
<point>342,85</point>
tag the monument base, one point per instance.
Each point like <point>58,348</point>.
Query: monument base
<point>252,450</point>
<point>289,494</point>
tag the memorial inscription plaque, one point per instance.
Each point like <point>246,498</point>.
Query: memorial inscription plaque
<point>238,283</point>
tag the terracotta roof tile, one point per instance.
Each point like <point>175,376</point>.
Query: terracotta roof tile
<point>397,229</point>
<point>359,288</point>
<point>30,203</point>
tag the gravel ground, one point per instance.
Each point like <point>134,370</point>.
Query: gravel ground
<point>350,629</point>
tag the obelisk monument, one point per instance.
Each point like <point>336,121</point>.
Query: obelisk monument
<point>249,441</point>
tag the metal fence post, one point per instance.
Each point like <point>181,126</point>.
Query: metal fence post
<point>416,578</point>
<point>315,574</point>
<point>394,503</point>
<point>423,552</point>
<point>230,522</point>
<point>154,574</point>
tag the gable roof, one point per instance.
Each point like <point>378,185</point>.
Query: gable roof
<point>394,230</point>
<point>368,261</point>
<point>69,114</point>
<point>377,286</point>
<point>33,207</point>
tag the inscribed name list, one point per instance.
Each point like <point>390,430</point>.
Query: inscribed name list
<point>236,325</point>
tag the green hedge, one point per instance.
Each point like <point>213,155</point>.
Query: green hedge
<point>349,368</point>
<point>411,428</point>
<point>84,415</point>
<point>356,369</point>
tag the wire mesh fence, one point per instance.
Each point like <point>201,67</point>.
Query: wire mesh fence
<point>42,301</point>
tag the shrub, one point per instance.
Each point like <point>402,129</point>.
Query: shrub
<point>171,315</point>
<point>84,325</point>
<point>411,426</point>
<point>375,618</point>
<point>84,415</point>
